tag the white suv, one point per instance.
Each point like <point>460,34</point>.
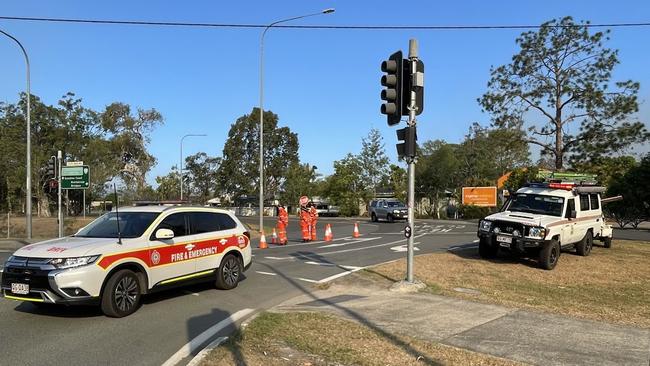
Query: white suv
<point>545,218</point>
<point>113,262</point>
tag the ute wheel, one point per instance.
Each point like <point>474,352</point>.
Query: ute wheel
<point>549,255</point>
<point>229,273</point>
<point>486,249</point>
<point>121,296</point>
<point>607,242</point>
<point>584,246</point>
<point>373,217</point>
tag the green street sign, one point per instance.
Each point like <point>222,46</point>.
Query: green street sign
<point>75,177</point>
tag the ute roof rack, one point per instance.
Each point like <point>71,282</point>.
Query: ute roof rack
<point>578,187</point>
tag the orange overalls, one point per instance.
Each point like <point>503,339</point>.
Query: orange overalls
<point>305,223</point>
<point>283,222</point>
<point>314,218</point>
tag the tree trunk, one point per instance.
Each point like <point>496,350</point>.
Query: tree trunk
<point>558,131</point>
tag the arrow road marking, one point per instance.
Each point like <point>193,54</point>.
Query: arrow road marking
<point>403,248</point>
<point>349,241</point>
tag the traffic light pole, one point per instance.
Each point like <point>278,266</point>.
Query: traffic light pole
<point>413,58</point>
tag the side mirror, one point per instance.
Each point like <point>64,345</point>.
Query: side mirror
<point>573,214</point>
<point>164,234</point>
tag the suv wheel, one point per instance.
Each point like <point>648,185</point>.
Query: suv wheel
<point>121,296</point>
<point>549,255</point>
<point>229,272</point>
<point>583,247</point>
<point>486,249</point>
<point>607,242</point>
<point>373,217</point>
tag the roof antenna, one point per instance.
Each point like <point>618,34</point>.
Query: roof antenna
<point>117,215</point>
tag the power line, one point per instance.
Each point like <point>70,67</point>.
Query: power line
<point>351,27</point>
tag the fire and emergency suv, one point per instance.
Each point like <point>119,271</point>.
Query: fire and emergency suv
<point>543,218</point>
<point>123,255</point>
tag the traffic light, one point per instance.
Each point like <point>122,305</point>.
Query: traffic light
<point>51,167</point>
<point>392,94</point>
<point>413,81</point>
<point>407,148</point>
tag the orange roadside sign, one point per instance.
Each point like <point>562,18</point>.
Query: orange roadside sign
<point>480,196</point>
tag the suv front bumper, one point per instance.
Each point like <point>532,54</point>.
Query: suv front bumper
<point>47,284</point>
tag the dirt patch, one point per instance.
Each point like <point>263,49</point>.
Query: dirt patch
<point>610,284</point>
<point>320,339</point>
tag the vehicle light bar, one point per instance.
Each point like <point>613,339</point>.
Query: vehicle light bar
<point>565,186</point>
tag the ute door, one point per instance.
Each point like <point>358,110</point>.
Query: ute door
<point>569,228</point>
<point>215,232</point>
<point>169,258</point>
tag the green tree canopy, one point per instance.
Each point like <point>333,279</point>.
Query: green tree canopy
<point>560,86</point>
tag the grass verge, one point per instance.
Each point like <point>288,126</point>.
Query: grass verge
<point>611,284</point>
<point>321,339</point>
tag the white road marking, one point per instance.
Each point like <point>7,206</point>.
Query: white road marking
<point>369,247</point>
<point>306,280</point>
<point>192,345</point>
<point>451,249</point>
<point>349,241</point>
<point>321,264</point>
<point>278,258</point>
<point>342,274</point>
<point>198,359</point>
<point>403,248</point>
<point>266,273</point>
<point>301,244</point>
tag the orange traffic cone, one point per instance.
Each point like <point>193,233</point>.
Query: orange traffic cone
<point>328,233</point>
<point>355,234</point>
<point>274,238</point>
<point>263,241</point>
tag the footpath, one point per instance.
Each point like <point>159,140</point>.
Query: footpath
<point>525,336</point>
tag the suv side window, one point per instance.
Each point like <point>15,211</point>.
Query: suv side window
<point>225,221</point>
<point>203,222</point>
<point>594,201</point>
<point>570,206</point>
<point>373,203</point>
<point>176,223</point>
<point>584,202</point>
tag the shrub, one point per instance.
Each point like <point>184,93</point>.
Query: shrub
<point>473,212</point>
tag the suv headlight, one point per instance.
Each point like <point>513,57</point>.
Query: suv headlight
<point>396,211</point>
<point>63,263</point>
<point>485,225</point>
<point>537,232</point>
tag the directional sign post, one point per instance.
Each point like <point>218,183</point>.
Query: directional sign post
<point>75,177</point>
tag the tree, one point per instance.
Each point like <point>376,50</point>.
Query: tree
<point>438,170</point>
<point>559,84</point>
<point>202,171</point>
<point>239,171</point>
<point>346,186</point>
<point>488,153</point>
<point>300,180</point>
<point>169,185</point>
<point>633,186</point>
<point>521,176</point>
<point>608,169</point>
<point>397,181</point>
<point>373,159</point>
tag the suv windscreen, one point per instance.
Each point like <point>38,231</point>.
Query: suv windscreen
<point>538,204</point>
<point>395,204</point>
<point>132,225</point>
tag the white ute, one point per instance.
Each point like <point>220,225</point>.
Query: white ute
<point>123,255</point>
<point>543,219</point>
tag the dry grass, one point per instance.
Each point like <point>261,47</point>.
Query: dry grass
<point>611,284</point>
<point>42,227</point>
<point>320,339</point>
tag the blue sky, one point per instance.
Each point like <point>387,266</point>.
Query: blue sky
<point>324,84</point>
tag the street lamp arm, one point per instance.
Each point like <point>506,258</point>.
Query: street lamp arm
<point>28,165</point>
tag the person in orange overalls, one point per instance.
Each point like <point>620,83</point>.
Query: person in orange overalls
<point>283,222</point>
<point>305,219</point>
<point>314,218</point>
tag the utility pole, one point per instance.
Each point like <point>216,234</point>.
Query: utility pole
<point>59,161</point>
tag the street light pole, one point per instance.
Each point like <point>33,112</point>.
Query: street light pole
<point>28,189</point>
<point>261,183</point>
<point>180,170</point>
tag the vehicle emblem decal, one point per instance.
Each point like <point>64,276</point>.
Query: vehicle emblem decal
<point>155,257</point>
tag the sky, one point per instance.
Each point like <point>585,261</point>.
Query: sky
<point>323,84</point>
